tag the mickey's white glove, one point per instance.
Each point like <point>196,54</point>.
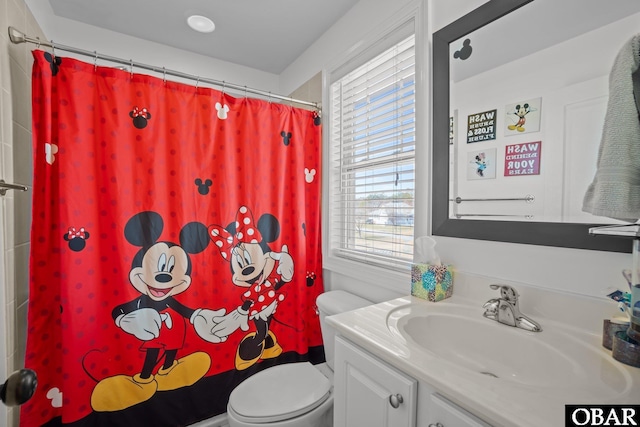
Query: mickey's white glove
<point>203,321</point>
<point>226,325</point>
<point>285,263</point>
<point>143,323</point>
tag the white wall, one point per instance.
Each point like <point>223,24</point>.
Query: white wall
<point>578,271</point>
<point>365,19</point>
<point>346,35</point>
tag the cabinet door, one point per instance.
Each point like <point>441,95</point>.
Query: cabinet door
<point>368,392</point>
<point>445,413</point>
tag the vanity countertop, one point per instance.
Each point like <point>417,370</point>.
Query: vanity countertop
<point>533,399</point>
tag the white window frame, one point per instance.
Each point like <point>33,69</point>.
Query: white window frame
<point>368,48</point>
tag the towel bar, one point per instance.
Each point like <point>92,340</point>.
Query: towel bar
<point>528,198</point>
<point>527,216</point>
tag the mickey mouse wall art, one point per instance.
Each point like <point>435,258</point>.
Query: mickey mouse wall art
<point>522,117</point>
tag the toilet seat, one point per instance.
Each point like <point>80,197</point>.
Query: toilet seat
<point>279,393</point>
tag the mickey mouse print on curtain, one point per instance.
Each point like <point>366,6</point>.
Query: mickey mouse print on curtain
<point>176,245</point>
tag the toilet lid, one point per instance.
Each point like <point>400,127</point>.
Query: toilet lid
<point>279,393</point>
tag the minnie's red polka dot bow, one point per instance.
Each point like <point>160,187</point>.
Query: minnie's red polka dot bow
<point>73,233</point>
<point>142,112</point>
<point>246,232</point>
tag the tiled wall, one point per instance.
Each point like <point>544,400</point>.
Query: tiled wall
<point>310,91</point>
<point>16,167</point>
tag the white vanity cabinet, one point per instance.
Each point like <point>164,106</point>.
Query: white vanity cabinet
<point>444,413</point>
<point>369,392</point>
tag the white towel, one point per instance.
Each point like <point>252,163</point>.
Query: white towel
<point>615,190</point>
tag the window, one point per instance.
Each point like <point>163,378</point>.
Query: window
<point>372,151</point>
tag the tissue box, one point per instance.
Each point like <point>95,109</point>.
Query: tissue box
<point>431,282</point>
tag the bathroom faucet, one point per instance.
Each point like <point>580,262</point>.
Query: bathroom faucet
<point>506,310</point>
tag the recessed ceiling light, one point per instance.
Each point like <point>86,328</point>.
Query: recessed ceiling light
<point>201,23</point>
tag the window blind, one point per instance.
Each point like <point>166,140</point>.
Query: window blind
<point>372,150</point>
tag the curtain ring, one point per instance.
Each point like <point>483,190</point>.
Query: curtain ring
<point>197,83</point>
<point>53,49</point>
<point>95,61</point>
<point>223,86</point>
<point>269,98</point>
<point>164,75</point>
<point>38,46</point>
<point>131,69</point>
<point>245,91</point>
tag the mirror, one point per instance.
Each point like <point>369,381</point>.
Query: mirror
<point>496,180</point>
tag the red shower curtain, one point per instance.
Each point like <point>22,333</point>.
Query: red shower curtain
<point>175,245</point>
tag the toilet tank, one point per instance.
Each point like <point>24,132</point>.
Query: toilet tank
<point>334,302</point>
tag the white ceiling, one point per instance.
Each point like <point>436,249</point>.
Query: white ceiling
<point>266,35</point>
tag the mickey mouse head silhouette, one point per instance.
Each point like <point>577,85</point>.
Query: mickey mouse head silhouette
<point>76,238</point>
<point>203,187</point>
<point>286,137</point>
<point>465,52</point>
<point>311,278</point>
<point>140,117</point>
<point>50,151</point>
<point>54,62</point>
<point>55,396</point>
<point>222,110</point>
<point>309,174</point>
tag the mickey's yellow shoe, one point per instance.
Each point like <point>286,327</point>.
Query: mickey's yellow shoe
<point>184,372</point>
<point>121,392</point>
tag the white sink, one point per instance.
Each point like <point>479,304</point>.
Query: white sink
<point>502,374</point>
<point>556,358</point>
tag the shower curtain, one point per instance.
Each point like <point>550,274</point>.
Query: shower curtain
<point>175,245</point>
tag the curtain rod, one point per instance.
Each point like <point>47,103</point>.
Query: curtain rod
<point>18,37</point>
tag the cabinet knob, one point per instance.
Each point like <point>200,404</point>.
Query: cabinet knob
<point>436,425</point>
<point>395,400</point>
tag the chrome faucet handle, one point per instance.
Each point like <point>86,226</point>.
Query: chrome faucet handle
<point>507,292</point>
<point>506,309</point>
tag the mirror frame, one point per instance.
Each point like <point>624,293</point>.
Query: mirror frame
<point>567,235</point>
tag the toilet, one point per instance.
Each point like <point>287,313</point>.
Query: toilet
<point>294,394</point>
